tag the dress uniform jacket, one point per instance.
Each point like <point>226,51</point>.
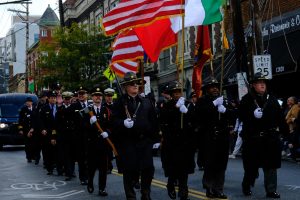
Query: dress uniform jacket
<point>97,145</point>
<point>177,150</point>
<point>48,123</point>
<point>261,142</point>
<point>141,135</point>
<point>27,121</point>
<point>214,129</point>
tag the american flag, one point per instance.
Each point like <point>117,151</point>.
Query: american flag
<point>122,67</point>
<point>127,47</point>
<point>133,13</point>
<point>126,51</point>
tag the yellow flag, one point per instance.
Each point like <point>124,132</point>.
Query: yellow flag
<point>109,74</point>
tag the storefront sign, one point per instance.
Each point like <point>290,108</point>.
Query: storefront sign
<point>288,22</point>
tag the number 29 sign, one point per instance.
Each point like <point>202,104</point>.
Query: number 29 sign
<point>263,64</point>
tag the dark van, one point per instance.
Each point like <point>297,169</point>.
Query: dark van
<point>10,106</point>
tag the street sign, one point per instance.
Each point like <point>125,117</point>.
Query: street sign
<point>109,74</point>
<point>262,64</point>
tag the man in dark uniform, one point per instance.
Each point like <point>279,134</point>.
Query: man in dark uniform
<point>97,149</point>
<point>27,123</point>
<point>261,116</point>
<point>135,124</point>
<point>194,129</point>
<point>65,132</point>
<point>108,104</point>
<point>177,153</point>
<point>213,118</point>
<point>80,133</point>
<point>48,131</point>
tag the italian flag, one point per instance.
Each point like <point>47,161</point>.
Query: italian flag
<point>199,12</point>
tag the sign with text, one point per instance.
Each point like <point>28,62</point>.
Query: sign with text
<point>262,64</point>
<point>242,84</point>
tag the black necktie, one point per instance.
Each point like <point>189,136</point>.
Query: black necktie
<point>98,111</point>
<point>83,105</point>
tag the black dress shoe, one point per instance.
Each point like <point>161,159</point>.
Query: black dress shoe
<point>90,188</point>
<point>68,178</point>
<point>273,195</point>
<point>209,193</point>
<point>219,195</point>
<point>50,173</point>
<point>36,162</point>
<point>29,161</point>
<point>83,182</point>
<point>171,192</point>
<point>102,193</point>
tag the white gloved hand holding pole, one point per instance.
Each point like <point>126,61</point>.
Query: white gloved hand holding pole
<point>156,145</point>
<point>93,119</point>
<point>104,134</point>
<point>183,109</point>
<point>258,113</point>
<point>180,102</point>
<point>128,123</point>
<point>221,109</point>
<point>218,101</point>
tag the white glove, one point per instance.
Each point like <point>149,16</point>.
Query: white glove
<point>258,113</point>
<point>183,109</point>
<point>104,134</point>
<point>156,145</point>
<point>218,101</point>
<point>93,119</point>
<point>180,102</point>
<point>221,109</point>
<point>128,123</point>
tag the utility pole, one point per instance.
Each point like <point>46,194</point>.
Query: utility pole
<point>239,38</point>
<point>257,9</point>
<point>27,47</point>
<point>61,13</point>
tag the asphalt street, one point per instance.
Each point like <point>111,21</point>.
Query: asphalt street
<point>22,180</point>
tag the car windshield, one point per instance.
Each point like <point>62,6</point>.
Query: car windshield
<point>9,110</point>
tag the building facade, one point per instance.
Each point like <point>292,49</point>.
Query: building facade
<point>280,30</point>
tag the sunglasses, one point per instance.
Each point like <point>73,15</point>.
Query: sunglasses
<point>134,83</point>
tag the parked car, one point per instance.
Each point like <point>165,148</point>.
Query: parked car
<point>10,105</point>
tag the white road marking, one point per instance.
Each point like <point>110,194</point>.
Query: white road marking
<point>54,196</point>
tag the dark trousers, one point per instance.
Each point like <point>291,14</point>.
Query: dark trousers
<point>130,178</point>
<point>182,184</point>
<point>68,157</point>
<point>270,178</point>
<point>81,157</point>
<point>93,165</point>
<point>29,147</point>
<point>48,153</point>
<point>214,179</point>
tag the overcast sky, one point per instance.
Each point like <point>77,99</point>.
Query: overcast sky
<point>37,7</point>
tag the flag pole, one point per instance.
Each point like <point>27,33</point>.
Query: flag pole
<point>223,53</point>
<point>141,63</point>
<point>182,61</point>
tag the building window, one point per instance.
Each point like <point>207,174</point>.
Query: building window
<point>44,33</point>
<point>164,60</point>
